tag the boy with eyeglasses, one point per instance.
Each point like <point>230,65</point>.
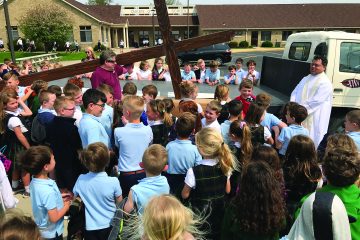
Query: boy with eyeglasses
<point>63,138</point>
<point>90,128</point>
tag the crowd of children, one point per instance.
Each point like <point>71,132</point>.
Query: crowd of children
<point>235,171</point>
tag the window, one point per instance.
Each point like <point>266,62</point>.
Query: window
<point>239,33</point>
<point>265,35</point>
<point>15,33</point>
<point>285,35</point>
<point>158,35</point>
<point>85,34</point>
<point>143,35</point>
<point>321,49</point>
<point>175,34</point>
<point>349,57</point>
<point>300,51</point>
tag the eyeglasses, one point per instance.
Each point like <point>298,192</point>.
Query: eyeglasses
<point>69,109</point>
<point>100,105</point>
<point>111,61</point>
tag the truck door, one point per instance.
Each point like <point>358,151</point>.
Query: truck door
<point>346,73</point>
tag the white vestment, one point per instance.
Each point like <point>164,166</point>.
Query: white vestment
<point>315,93</point>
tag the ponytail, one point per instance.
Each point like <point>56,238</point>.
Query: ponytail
<point>226,159</point>
<point>246,144</point>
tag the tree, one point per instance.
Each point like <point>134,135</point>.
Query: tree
<point>46,24</point>
<point>99,2</point>
<point>172,2</point>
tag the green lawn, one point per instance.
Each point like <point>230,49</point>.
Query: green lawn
<point>63,56</point>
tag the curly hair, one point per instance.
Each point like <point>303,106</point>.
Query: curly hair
<point>259,205</point>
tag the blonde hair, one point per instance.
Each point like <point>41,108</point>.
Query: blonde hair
<point>211,145</point>
<point>71,90</point>
<point>134,104</point>
<point>214,106</point>
<point>343,141</point>
<point>159,106</point>
<point>143,64</point>
<point>154,159</point>
<point>106,89</point>
<point>221,92</point>
<point>62,102</point>
<point>187,88</point>
<point>166,218</point>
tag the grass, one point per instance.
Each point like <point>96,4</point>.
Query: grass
<point>63,56</point>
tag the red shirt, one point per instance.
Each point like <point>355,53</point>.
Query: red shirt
<point>246,103</point>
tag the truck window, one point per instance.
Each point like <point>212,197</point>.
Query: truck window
<point>299,51</point>
<point>321,49</point>
<point>349,57</point>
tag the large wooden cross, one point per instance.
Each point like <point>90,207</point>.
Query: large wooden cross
<point>169,48</point>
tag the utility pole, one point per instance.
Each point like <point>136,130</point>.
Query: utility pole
<point>187,18</point>
<point>9,32</point>
<point>153,25</point>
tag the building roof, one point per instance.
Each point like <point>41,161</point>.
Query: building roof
<point>147,20</point>
<point>278,16</point>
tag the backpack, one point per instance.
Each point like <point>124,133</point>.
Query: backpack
<point>38,131</point>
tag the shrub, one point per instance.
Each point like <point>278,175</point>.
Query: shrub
<point>102,47</point>
<point>243,44</point>
<point>267,44</point>
<point>233,44</point>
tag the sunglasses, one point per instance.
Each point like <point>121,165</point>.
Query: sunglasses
<point>111,61</point>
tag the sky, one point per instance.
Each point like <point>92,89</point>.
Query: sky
<point>208,2</point>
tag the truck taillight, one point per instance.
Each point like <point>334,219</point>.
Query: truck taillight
<point>228,50</point>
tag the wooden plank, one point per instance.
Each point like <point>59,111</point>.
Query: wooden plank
<point>126,58</point>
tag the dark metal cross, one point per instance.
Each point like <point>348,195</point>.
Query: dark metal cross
<point>169,48</point>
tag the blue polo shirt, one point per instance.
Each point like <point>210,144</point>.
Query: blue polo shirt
<point>99,193</point>
<point>239,74</point>
<point>132,140</point>
<point>91,130</point>
<point>356,137</point>
<point>287,133</point>
<point>270,120</point>
<point>182,155</point>
<point>212,76</point>
<point>225,127</point>
<point>45,196</point>
<point>106,119</point>
<point>147,188</point>
<point>187,76</point>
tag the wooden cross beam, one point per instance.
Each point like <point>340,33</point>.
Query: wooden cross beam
<point>169,48</point>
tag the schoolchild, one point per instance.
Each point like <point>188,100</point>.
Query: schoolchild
<point>107,115</point>
<point>212,75</point>
<point>144,72</point>
<point>33,101</point>
<point>48,204</point>
<point>46,112</point>
<point>7,198</point>
<point>90,128</point>
<point>235,112</point>
<point>158,70</point>
<point>246,95</point>
<point>131,73</point>
<point>98,191</point>
<point>16,133</point>
<point>63,137</point>
<point>212,112</point>
<point>153,161</point>
<point>231,77</point>
<point>295,116</point>
<point>352,126</point>
<point>187,74</point>
<point>149,92</point>
<point>251,74</point>
<point>207,183</point>
<point>12,80</point>
<point>182,154</point>
<point>161,121</point>
<point>239,71</point>
<point>129,89</point>
<point>222,95</point>
<point>200,70</point>
<point>132,141</point>
<point>75,92</point>
<point>55,89</point>
<point>189,92</point>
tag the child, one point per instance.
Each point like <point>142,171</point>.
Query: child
<point>235,110</point>
<point>15,225</point>
<point>7,199</point>
<point>231,77</point>
<point>342,169</point>
<point>129,89</point>
<point>251,74</point>
<point>258,211</point>
<point>55,89</point>
<point>222,95</point>
<point>188,74</point>
<point>239,71</point>
<point>212,75</point>
<point>33,100</point>
<point>98,191</point>
<point>63,137</point>
<point>161,121</point>
<point>132,141</point>
<point>12,80</point>
<point>16,133</point>
<point>189,92</point>
<point>207,183</point>
<point>200,69</point>
<point>153,161</point>
<point>144,72</point>
<point>158,71</point>
<point>182,154</point>
<point>131,74</point>
<point>107,115</point>
<point>48,204</point>
<point>212,112</point>
<point>352,126</point>
<point>90,128</point>
<point>246,96</point>
<point>259,134</point>
<point>301,172</point>
<point>75,92</point>
<point>295,116</point>
<point>149,93</point>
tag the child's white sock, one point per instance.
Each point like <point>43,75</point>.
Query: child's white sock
<point>27,188</point>
<point>15,183</point>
